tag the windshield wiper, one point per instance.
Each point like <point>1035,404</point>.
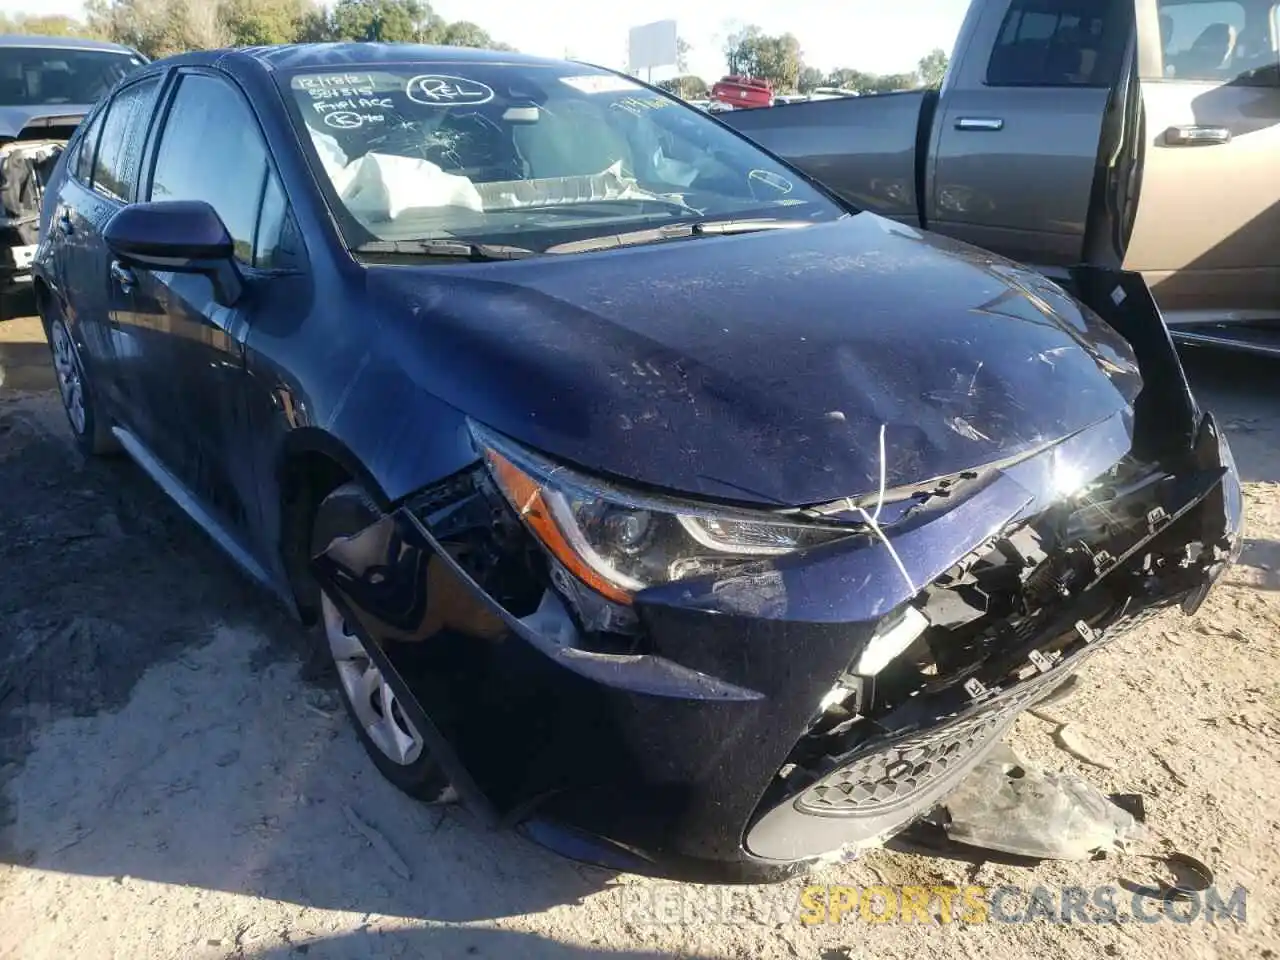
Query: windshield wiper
<point>457,249</point>
<point>675,231</point>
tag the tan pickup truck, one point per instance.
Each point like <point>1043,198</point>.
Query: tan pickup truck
<point>1142,134</point>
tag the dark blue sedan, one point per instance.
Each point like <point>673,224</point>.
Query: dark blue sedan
<point>645,494</point>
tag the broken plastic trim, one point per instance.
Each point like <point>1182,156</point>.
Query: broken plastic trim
<point>356,570</point>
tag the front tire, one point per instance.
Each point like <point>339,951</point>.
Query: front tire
<point>396,747</point>
<point>89,426</point>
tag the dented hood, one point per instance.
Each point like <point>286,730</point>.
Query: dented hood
<point>761,367</point>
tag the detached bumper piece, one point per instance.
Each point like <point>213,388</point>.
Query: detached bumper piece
<point>735,728</point>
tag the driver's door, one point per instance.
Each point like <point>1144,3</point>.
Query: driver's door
<point>191,374</point>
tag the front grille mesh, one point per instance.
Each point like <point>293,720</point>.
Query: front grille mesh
<point>880,778</point>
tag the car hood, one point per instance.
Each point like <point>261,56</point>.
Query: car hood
<point>762,368</point>
<point>14,119</point>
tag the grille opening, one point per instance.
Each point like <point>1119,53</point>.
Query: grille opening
<point>1001,620</point>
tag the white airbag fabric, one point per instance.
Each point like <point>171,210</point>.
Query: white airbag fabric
<point>381,186</point>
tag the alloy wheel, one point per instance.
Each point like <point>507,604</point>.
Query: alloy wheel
<point>66,365</point>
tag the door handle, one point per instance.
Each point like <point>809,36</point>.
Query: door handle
<point>1196,136</point>
<point>990,124</point>
<point>65,224</point>
<point>123,276</point>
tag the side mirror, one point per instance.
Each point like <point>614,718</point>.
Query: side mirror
<point>185,236</point>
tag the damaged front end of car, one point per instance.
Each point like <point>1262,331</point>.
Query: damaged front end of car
<point>755,690</point>
<point>27,161</point>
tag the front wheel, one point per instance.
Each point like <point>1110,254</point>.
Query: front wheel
<point>389,737</point>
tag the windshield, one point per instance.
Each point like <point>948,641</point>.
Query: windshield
<point>527,155</point>
<point>40,76</point>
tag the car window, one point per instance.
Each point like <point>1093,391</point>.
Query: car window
<point>86,146</point>
<point>42,76</point>
<point>228,170</point>
<point>1233,41</point>
<point>1056,43</point>
<point>115,164</point>
<point>534,155</point>
<point>277,245</point>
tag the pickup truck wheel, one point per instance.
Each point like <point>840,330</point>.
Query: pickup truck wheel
<point>393,743</point>
<point>92,430</point>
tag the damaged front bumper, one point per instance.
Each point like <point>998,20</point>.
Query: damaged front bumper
<point>738,734</point>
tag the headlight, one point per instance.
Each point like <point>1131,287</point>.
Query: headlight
<point>620,541</point>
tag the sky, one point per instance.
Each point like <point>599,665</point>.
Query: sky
<point>878,36</point>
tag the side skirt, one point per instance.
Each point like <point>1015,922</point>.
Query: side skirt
<point>191,506</point>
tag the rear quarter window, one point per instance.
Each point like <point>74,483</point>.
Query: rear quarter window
<point>1056,43</point>
<point>80,163</point>
<point>124,130</point>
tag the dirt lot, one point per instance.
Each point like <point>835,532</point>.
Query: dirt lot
<point>172,784</point>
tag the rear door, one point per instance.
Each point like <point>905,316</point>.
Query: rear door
<point>80,288</point>
<point>1207,232</point>
<point>1016,145</point>
<point>100,179</point>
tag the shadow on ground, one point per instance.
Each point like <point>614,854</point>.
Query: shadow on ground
<point>223,774</point>
<point>1263,557</point>
<point>140,739</point>
<point>461,943</point>
<point>24,365</point>
<point>1243,393</point>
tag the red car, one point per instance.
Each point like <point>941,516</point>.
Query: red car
<point>743,92</point>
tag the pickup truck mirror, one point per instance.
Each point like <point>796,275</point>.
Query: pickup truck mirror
<point>185,236</point>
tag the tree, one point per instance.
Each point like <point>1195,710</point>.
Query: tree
<point>740,51</point>
<point>682,56</point>
<point>890,82</point>
<point>45,25</point>
<point>253,23</point>
<point>463,33</point>
<point>162,27</point>
<point>810,79</point>
<point>158,28</point>
<point>386,21</point>
<point>846,78</point>
<point>779,61</point>
<point>689,86</point>
<point>932,67</point>
<point>751,53</point>
<point>314,27</point>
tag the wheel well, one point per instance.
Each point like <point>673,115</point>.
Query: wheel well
<point>40,290</point>
<point>307,478</point>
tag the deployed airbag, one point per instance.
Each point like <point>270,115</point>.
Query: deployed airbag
<point>378,187</point>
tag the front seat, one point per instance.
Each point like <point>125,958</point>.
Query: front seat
<point>1210,54</point>
<point>56,86</point>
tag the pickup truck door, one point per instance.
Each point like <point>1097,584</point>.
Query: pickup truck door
<point>1023,111</point>
<point>1207,230</point>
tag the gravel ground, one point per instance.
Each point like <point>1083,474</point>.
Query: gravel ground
<point>172,784</point>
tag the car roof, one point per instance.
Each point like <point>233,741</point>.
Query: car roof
<point>302,56</point>
<point>61,43</point>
